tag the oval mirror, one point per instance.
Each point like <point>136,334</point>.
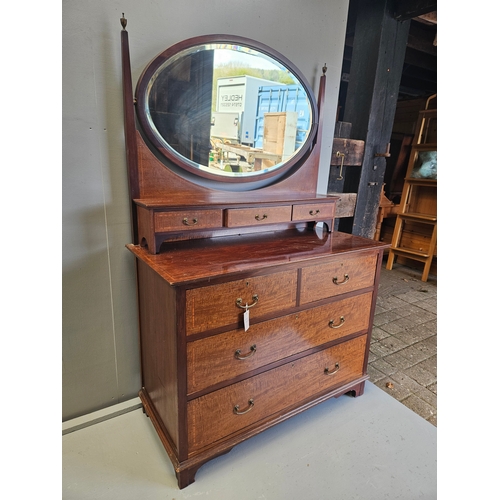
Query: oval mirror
<point>227,108</point>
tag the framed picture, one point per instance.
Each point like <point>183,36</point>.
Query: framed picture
<point>425,165</point>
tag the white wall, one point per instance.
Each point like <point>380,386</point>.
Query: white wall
<point>100,334</point>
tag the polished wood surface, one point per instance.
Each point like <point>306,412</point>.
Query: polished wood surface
<point>159,219</point>
<point>192,334</point>
<point>210,380</point>
<point>159,347</point>
<point>342,275</point>
<point>221,199</point>
<point>187,262</point>
<point>213,306</point>
<point>186,220</point>
<point>184,378</point>
<point>272,391</point>
<point>129,129</point>
<point>317,210</point>
<point>257,216</point>
<point>213,360</point>
<point>158,185</point>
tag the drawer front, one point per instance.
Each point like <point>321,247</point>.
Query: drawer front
<point>238,217</point>
<point>214,416</point>
<point>345,274</point>
<point>219,305</point>
<point>313,212</point>
<point>222,357</point>
<point>187,219</point>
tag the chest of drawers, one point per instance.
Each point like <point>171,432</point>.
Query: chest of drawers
<point>212,379</point>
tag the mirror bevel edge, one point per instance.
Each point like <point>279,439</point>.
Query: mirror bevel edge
<point>187,165</point>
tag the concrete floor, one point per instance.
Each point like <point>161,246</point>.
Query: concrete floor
<point>381,445</point>
<point>371,447</point>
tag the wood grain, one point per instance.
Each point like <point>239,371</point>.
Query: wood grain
<point>318,281</point>
<point>159,347</point>
<point>192,262</point>
<point>212,360</point>
<point>272,391</point>
<point>257,216</point>
<point>214,306</point>
<point>313,212</point>
<point>195,219</point>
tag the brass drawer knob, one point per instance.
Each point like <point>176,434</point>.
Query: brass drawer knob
<point>186,222</point>
<point>236,409</point>
<point>332,324</point>
<point>238,355</point>
<point>334,371</point>
<point>343,282</point>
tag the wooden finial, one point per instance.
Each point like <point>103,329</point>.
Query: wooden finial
<point>324,69</point>
<point>123,21</point>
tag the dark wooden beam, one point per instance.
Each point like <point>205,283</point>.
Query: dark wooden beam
<point>418,74</point>
<point>422,38</point>
<point>408,9</point>
<point>422,86</point>
<point>420,59</point>
<point>376,67</point>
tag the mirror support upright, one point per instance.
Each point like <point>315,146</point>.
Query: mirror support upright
<point>129,124</point>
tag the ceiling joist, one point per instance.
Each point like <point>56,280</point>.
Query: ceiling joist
<point>409,9</point>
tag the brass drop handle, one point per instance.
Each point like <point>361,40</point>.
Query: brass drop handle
<point>253,350</point>
<point>186,222</point>
<point>316,212</point>
<point>236,409</point>
<point>332,324</point>
<point>258,217</point>
<point>343,282</point>
<point>255,299</point>
<point>334,371</point>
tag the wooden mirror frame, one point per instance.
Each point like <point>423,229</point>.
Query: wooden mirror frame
<point>159,192</point>
<point>178,160</point>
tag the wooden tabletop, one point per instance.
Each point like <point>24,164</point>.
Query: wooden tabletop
<point>231,198</point>
<point>186,262</point>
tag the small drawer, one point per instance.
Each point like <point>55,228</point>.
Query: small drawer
<point>219,305</point>
<point>222,357</point>
<point>344,274</point>
<point>187,219</point>
<point>231,409</point>
<point>313,212</point>
<point>239,217</point>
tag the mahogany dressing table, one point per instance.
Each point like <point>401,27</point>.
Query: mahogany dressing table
<point>250,311</point>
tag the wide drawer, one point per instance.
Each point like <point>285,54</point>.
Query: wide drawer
<point>187,219</point>
<point>231,409</point>
<point>239,217</point>
<point>219,305</point>
<point>344,274</point>
<point>221,357</point>
<point>311,211</point>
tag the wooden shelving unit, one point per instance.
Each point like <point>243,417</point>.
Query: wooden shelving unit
<point>415,232</point>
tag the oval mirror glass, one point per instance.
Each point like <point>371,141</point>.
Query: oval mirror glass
<point>226,110</point>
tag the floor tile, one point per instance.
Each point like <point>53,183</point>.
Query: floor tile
<point>403,351</point>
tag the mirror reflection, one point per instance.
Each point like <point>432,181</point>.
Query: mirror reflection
<point>228,109</point>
